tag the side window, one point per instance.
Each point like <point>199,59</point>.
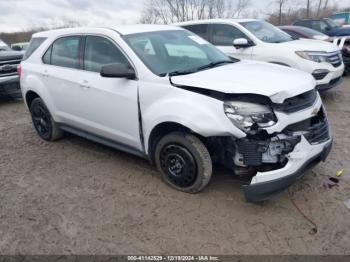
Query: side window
<point>293,34</point>
<point>47,56</point>
<point>200,30</point>
<point>303,23</point>
<point>65,52</point>
<point>320,26</point>
<point>340,19</point>
<point>100,51</point>
<point>33,45</point>
<point>224,35</point>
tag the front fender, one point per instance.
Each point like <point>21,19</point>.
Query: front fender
<point>202,114</point>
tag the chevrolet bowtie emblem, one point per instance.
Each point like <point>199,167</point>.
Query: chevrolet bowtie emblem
<point>6,68</point>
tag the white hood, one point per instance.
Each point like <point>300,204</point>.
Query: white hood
<point>309,45</point>
<point>251,77</point>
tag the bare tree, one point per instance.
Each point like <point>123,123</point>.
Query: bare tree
<point>170,11</point>
<point>308,4</point>
<point>319,7</point>
<point>281,4</point>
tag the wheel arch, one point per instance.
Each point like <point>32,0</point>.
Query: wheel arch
<point>161,130</point>
<point>30,96</point>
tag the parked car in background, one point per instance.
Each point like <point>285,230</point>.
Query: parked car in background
<point>342,18</point>
<point>324,25</point>
<point>167,95</point>
<point>4,46</point>
<point>9,82</point>
<point>259,40</point>
<point>299,32</point>
<point>20,46</point>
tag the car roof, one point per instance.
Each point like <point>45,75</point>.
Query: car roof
<point>339,13</point>
<point>213,21</point>
<point>120,29</point>
<point>311,19</point>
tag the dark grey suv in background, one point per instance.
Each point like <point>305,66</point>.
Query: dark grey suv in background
<point>9,82</point>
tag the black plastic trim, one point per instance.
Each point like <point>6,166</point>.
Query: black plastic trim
<point>102,140</point>
<point>333,83</point>
<point>263,191</point>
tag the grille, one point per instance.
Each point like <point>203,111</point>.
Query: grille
<point>314,129</point>
<point>9,68</point>
<point>335,59</point>
<point>298,102</point>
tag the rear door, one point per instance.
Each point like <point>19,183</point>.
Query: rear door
<point>223,35</point>
<point>62,61</point>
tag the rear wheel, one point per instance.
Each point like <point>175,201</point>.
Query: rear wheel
<point>184,162</point>
<point>43,122</point>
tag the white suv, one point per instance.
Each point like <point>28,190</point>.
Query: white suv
<point>167,95</point>
<point>259,40</point>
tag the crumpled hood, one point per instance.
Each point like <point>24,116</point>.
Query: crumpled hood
<point>251,77</point>
<point>309,45</point>
<point>11,55</point>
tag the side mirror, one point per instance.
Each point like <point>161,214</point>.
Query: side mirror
<point>241,43</point>
<point>118,70</point>
<point>327,28</point>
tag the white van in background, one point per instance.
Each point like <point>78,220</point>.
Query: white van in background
<point>258,40</point>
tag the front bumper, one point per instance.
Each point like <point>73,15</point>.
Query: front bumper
<point>10,88</point>
<point>267,184</point>
<point>330,80</point>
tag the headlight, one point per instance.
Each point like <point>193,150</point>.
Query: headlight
<point>245,115</point>
<point>317,57</point>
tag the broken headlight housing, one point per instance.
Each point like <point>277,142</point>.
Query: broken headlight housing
<point>246,115</point>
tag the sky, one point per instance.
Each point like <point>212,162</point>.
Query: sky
<point>18,15</point>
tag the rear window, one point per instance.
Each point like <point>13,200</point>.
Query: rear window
<point>33,45</point>
<point>64,52</point>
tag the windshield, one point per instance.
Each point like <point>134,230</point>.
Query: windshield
<point>331,23</point>
<point>267,32</point>
<point>3,46</point>
<point>167,52</point>
<point>310,32</point>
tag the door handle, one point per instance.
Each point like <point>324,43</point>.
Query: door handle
<point>45,74</point>
<point>84,84</point>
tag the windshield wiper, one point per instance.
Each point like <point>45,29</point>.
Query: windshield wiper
<point>194,70</point>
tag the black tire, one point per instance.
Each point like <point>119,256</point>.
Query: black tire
<point>184,162</point>
<point>43,123</point>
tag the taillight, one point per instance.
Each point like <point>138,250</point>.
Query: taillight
<point>19,70</point>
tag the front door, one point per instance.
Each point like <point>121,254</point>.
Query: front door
<point>223,35</point>
<point>107,106</point>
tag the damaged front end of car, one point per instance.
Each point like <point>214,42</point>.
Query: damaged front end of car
<point>271,158</point>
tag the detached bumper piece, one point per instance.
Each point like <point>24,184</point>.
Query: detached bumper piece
<point>265,190</point>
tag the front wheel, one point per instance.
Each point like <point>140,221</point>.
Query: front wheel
<point>184,162</point>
